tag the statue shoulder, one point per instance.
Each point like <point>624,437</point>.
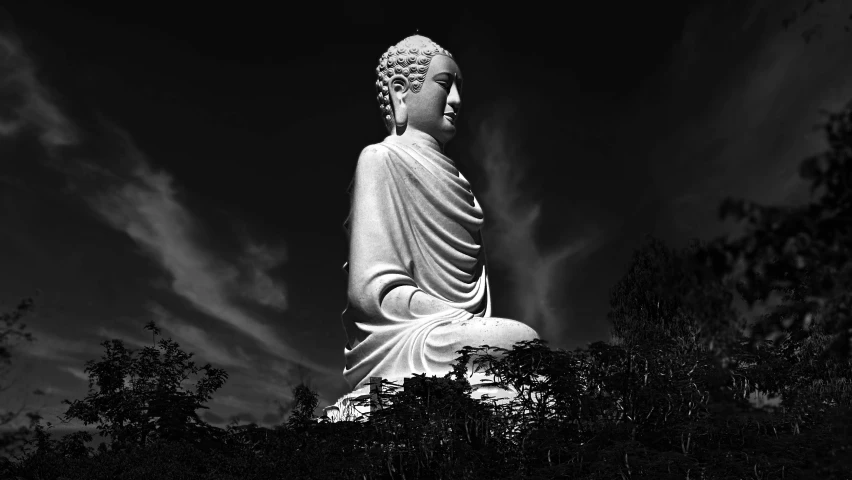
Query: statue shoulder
<point>374,158</point>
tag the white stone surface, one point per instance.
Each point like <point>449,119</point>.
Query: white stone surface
<point>418,286</point>
<point>346,408</point>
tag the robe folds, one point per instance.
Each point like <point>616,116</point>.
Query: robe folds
<point>416,262</point>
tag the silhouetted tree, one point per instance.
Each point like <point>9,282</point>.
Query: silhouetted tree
<point>140,397</point>
<point>799,254</point>
<point>597,413</point>
<point>302,415</point>
<point>814,29</point>
<point>12,331</point>
<point>666,298</point>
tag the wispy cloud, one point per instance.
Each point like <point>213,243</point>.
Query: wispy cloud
<point>76,372</point>
<point>51,390</point>
<point>148,210</point>
<point>512,219</point>
<point>110,334</point>
<point>48,346</point>
<point>243,417</point>
<point>33,105</point>
<point>196,340</point>
<point>752,124</point>
<point>235,402</point>
<point>258,260</point>
<point>145,203</point>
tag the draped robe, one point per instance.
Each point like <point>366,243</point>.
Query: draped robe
<point>416,262</point>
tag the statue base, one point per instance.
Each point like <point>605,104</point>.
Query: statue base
<point>357,405</point>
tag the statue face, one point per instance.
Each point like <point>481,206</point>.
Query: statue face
<point>435,108</point>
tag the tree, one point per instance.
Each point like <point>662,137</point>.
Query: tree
<point>12,330</point>
<point>801,254</point>
<point>302,414</point>
<point>140,398</point>
<point>665,297</point>
<point>815,28</point>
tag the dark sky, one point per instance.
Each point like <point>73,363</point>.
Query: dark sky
<point>191,167</point>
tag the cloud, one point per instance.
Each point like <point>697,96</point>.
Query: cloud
<point>512,219</point>
<point>745,120</point>
<point>234,402</point>
<point>260,287</point>
<point>212,418</point>
<point>148,209</point>
<point>51,390</point>
<point>191,339</point>
<point>50,413</point>
<point>143,202</point>
<point>272,418</point>
<point>198,341</point>
<point>33,105</point>
<point>51,347</point>
<point>77,372</point>
<point>110,334</point>
<point>243,417</point>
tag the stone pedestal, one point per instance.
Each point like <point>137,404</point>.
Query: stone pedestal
<point>356,405</point>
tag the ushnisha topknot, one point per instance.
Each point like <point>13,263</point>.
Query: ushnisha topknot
<point>409,58</point>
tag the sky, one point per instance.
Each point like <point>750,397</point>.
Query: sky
<point>192,167</point>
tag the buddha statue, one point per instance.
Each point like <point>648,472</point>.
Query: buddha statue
<point>417,272</point>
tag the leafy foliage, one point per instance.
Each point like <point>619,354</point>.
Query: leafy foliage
<point>814,29</point>
<point>141,397</point>
<point>802,254</point>
<point>667,296</point>
<point>606,411</point>
<point>13,328</point>
<point>303,412</point>
<point>12,331</point>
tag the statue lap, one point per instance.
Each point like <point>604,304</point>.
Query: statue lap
<point>492,331</point>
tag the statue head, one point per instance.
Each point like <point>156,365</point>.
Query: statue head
<point>419,87</point>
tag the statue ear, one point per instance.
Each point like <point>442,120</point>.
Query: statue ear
<point>398,91</point>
